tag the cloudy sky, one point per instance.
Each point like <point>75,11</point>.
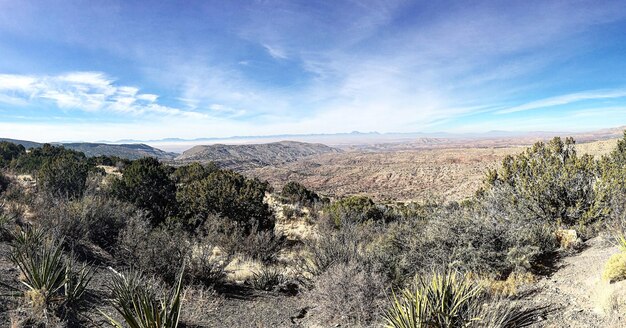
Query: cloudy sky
<point>93,70</point>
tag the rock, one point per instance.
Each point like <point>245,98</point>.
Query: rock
<point>568,238</point>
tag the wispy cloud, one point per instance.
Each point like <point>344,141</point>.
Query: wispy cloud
<point>85,91</point>
<point>566,99</point>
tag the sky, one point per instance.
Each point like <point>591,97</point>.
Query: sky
<point>109,70</point>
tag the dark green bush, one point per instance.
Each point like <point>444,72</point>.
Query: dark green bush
<point>230,195</point>
<point>146,184</point>
<point>296,193</point>
<point>9,152</point>
<point>192,172</point>
<point>33,160</point>
<point>354,209</point>
<point>63,176</point>
<point>4,183</point>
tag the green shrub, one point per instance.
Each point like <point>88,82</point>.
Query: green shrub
<point>550,181</point>
<point>229,195</point>
<point>192,172</point>
<point>9,152</point>
<point>33,160</point>
<point>63,176</point>
<point>142,305</point>
<point>296,193</point>
<point>146,184</point>
<point>354,209</point>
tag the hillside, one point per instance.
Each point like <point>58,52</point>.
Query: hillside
<point>27,144</point>
<point>242,157</point>
<point>401,175</point>
<point>129,151</point>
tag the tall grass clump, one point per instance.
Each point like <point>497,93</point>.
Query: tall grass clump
<point>451,300</point>
<point>144,306</point>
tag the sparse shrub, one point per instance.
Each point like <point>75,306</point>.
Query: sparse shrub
<point>268,278</point>
<point>199,303</point>
<point>261,245</point>
<point>291,212</point>
<point>329,248</point>
<point>160,251</point>
<point>141,304</point>
<point>615,268</point>
<point>204,267</point>
<point>95,219</point>
<point>347,294</point>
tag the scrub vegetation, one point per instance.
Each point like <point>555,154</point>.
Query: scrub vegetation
<point>155,245</point>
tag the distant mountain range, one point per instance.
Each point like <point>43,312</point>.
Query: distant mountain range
<point>240,157</point>
<point>129,151</point>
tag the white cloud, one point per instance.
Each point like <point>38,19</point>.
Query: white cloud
<point>275,52</point>
<point>86,91</point>
<point>566,99</point>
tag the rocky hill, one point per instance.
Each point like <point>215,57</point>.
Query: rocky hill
<point>249,156</point>
<point>129,151</point>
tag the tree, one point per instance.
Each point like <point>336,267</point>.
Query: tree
<point>9,151</point>
<point>63,176</point>
<point>146,184</point>
<point>229,195</point>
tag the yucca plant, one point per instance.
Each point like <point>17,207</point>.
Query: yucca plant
<point>445,300</point>
<point>49,276</point>
<point>267,278</point>
<point>452,300</point>
<point>141,305</point>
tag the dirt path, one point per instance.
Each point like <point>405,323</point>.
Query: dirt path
<point>577,291</point>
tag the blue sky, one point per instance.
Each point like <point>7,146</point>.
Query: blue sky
<point>93,70</point>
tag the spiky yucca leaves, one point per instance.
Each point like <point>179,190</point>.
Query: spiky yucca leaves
<point>267,278</point>
<point>51,278</point>
<point>141,305</point>
<point>445,300</point>
<point>452,300</point>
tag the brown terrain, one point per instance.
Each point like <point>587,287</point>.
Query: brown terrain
<point>398,173</point>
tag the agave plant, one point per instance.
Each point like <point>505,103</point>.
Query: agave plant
<point>141,305</point>
<point>452,300</point>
